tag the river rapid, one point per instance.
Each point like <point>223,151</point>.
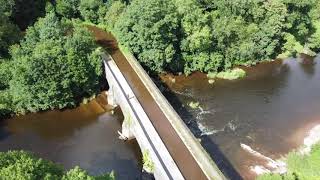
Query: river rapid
<point>243,124</point>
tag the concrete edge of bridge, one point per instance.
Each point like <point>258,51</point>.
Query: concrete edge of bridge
<point>204,160</point>
<point>137,124</point>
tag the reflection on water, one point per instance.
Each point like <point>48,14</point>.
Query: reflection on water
<point>270,110</point>
<point>85,136</point>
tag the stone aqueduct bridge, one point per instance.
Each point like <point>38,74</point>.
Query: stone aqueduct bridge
<point>161,134</point>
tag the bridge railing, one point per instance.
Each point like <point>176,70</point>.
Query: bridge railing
<point>137,124</point>
<point>208,166</point>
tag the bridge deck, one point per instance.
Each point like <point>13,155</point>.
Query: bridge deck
<point>180,153</point>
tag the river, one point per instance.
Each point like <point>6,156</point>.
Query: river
<point>269,111</point>
<point>85,136</point>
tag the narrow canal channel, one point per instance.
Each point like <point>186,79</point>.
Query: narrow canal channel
<point>85,136</point>
<point>271,111</point>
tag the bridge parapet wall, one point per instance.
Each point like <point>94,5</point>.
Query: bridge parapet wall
<point>137,124</point>
<point>207,165</point>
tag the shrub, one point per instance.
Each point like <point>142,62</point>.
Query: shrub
<point>21,165</point>
<point>25,166</point>
<point>233,74</point>
<point>300,166</point>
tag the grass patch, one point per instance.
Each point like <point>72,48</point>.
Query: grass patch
<point>300,167</point>
<point>233,74</point>
<point>194,105</point>
<point>148,165</point>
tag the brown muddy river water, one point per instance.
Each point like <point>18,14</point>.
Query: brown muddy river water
<point>86,137</point>
<point>271,111</point>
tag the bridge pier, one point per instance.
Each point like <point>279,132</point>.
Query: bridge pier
<point>127,127</point>
<point>111,97</point>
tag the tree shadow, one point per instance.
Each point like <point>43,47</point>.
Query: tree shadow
<point>4,133</point>
<point>209,145</point>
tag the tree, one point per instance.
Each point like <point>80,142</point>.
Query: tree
<point>114,12</point>
<point>26,12</point>
<point>211,36</point>
<point>68,8</point>
<point>9,32</point>
<point>149,29</point>
<point>92,10</point>
<point>26,166</point>
<point>54,67</point>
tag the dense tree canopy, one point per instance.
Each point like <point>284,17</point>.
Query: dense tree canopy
<point>26,12</point>
<point>68,8</point>
<point>54,66</point>
<point>210,36</point>
<point>9,32</point>
<point>151,34</point>
<point>26,166</point>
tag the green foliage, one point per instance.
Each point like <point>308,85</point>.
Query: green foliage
<point>233,74</point>
<point>21,165</point>
<point>276,177</point>
<point>298,20</point>
<point>194,104</point>
<point>211,36</point>
<point>314,40</point>
<point>68,8</point>
<point>5,74</point>
<point>6,7</point>
<point>5,97</point>
<point>291,46</point>
<point>305,166</point>
<point>299,166</point>
<point>54,67</point>
<point>5,103</point>
<point>26,12</point>
<point>148,165</point>
<point>113,14</point>
<point>25,166</point>
<point>149,29</point>
<point>92,10</point>
<point>9,32</point>
<point>77,174</point>
<point>80,174</point>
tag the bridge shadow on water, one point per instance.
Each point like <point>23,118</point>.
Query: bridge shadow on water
<point>209,145</point>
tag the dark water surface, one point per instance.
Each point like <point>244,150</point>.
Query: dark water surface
<point>271,110</point>
<point>85,136</point>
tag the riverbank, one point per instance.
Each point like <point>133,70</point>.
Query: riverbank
<point>302,163</point>
<point>280,166</point>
